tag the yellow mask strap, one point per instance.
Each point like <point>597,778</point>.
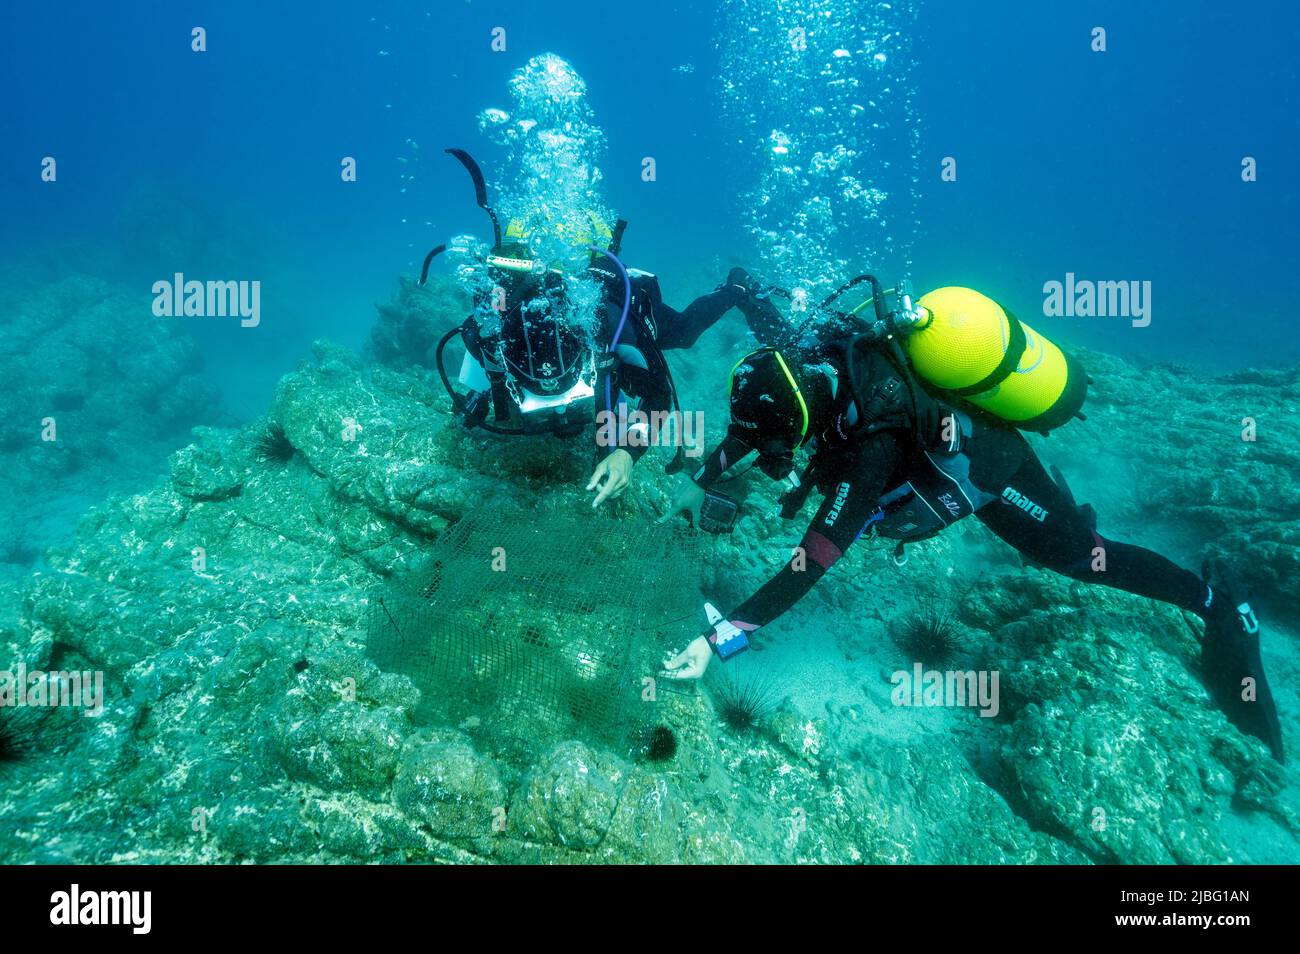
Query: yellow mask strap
<point>794,386</point>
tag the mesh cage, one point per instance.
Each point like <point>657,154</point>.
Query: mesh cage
<point>538,626</point>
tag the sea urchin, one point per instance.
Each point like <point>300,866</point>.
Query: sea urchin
<point>929,635</point>
<point>273,444</point>
<point>661,744</point>
<point>17,735</point>
<point>742,701</point>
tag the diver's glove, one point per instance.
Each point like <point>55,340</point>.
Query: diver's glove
<point>1232,669</point>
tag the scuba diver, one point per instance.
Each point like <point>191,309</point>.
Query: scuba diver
<point>903,461</point>
<point>536,369</point>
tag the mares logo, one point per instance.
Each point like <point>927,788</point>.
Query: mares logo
<point>1017,499</point>
<point>841,495</point>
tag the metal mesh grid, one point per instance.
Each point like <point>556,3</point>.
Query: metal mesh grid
<point>540,624</point>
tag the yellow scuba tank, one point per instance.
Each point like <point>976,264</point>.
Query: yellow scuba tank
<point>967,344</point>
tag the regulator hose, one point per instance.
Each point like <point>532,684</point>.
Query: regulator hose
<point>457,400</point>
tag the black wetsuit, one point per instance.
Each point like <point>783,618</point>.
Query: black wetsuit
<point>1005,486</point>
<point>632,374</point>
<point>636,366</point>
<point>908,466</point>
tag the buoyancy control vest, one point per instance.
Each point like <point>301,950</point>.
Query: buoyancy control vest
<point>876,392</point>
<point>937,492</point>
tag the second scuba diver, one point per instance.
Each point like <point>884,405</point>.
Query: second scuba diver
<point>536,370</point>
<point>894,460</point>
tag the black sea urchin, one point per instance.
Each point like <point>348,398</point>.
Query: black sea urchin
<point>929,635</point>
<point>742,701</point>
<point>273,444</point>
<point>661,744</point>
<point>17,735</point>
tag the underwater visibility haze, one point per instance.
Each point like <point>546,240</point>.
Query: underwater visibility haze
<point>731,432</point>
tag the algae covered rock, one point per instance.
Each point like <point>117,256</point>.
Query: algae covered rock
<point>206,469</point>
<point>345,746</point>
<point>1109,739</point>
<point>352,827</point>
<point>649,823</point>
<point>449,788</point>
<point>570,797</point>
<point>1124,795</point>
<point>261,825</point>
<point>408,327</point>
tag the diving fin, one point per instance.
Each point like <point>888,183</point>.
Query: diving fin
<point>765,322</point>
<point>616,238</point>
<point>428,260</point>
<point>754,301</point>
<point>480,188</point>
<point>1231,666</point>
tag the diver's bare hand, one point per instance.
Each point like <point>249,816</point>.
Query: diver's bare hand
<point>688,498</point>
<point>691,662</point>
<point>616,471</point>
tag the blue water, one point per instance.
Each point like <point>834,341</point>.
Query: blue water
<point>1115,166</point>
